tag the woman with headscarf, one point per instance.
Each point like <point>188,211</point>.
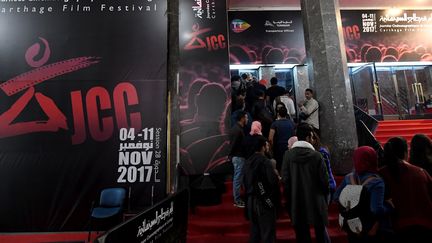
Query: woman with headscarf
<point>410,188</point>
<point>291,141</point>
<point>421,152</point>
<point>366,170</point>
<point>251,139</point>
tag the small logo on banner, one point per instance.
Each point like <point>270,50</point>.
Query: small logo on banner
<point>268,24</point>
<point>238,25</point>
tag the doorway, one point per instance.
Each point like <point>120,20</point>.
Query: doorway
<point>393,92</point>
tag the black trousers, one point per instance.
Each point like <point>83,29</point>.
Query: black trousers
<point>416,234</point>
<point>303,234</point>
<point>262,221</point>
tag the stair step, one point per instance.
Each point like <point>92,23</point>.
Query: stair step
<point>284,235</point>
<point>417,121</point>
<point>405,129</point>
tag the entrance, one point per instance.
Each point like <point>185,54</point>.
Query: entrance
<point>393,92</point>
<point>284,74</point>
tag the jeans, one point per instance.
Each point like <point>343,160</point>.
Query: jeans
<point>238,163</point>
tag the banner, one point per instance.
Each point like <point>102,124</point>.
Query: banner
<point>387,36</point>
<point>83,107</point>
<point>204,86</point>
<point>266,37</point>
<point>166,222</point>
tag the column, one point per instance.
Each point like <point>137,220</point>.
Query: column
<point>328,72</point>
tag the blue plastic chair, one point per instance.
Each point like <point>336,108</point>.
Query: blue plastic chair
<point>110,204</point>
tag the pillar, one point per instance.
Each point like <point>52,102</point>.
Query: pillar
<point>326,60</point>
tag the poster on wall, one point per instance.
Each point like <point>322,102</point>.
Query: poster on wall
<point>204,86</point>
<point>266,37</point>
<point>387,35</point>
<point>83,107</point>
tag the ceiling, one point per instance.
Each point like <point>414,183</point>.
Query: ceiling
<point>365,4</point>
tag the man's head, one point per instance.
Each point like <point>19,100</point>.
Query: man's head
<point>309,94</point>
<point>235,82</point>
<point>242,118</point>
<point>273,81</point>
<point>261,145</point>
<point>246,76</point>
<point>279,105</point>
<point>305,133</point>
<point>282,112</point>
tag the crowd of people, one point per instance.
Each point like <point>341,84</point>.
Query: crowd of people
<point>274,144</point>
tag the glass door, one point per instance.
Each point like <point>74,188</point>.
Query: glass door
<point>365,90</point>
<point>405,90</point>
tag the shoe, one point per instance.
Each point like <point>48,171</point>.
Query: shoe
<point>240,204</point>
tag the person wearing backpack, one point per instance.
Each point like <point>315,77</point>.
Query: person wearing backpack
<point>262,191</point>
<point>364,212</point>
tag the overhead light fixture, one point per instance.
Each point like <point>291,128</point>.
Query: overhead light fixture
<point>394,11</point>
<point>244,66</point>
<point>387,64</point>
<point>256,66</point>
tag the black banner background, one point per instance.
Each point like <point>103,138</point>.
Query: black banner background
<point>205,85</point>
<point>49,178</point>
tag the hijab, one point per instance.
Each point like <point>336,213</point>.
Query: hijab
<point>256,128</point>
<point>365,160</point>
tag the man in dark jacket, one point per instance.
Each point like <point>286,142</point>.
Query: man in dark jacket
<point>237,154</point>
<point>262,193</point>
<point>306,185</point>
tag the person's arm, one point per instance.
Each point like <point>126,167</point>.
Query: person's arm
<point>428,182</point>
<point>271,176</point>
<point>323,176</point>
<point>235,139</point>
<point>377,205</point>
<point>290,107</point>
<point>326,157</point>
<point>271,135</point>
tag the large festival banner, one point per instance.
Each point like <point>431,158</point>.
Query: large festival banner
<point>266,37</point>
<point>205,85</point>
<point>387,36</point>
<point>83,107</point>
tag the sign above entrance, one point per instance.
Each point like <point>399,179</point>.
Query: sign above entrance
<point>266,37</point>
<point>387,36</point>
<point>276,37</point>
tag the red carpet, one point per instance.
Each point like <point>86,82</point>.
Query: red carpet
<point>65,237</point>
<point>226,223</point>
<point>402,128</point>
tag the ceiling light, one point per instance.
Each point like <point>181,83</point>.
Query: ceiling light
<point>394,11</point>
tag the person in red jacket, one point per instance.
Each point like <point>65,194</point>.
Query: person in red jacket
<point>410,188</point>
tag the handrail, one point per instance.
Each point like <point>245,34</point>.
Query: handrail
<point>370,122</point>
<point>365,136</point>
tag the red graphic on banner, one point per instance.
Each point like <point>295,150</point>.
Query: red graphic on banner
<point>196,42</point>
<point>212,43</point>
<point>27,81</point>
